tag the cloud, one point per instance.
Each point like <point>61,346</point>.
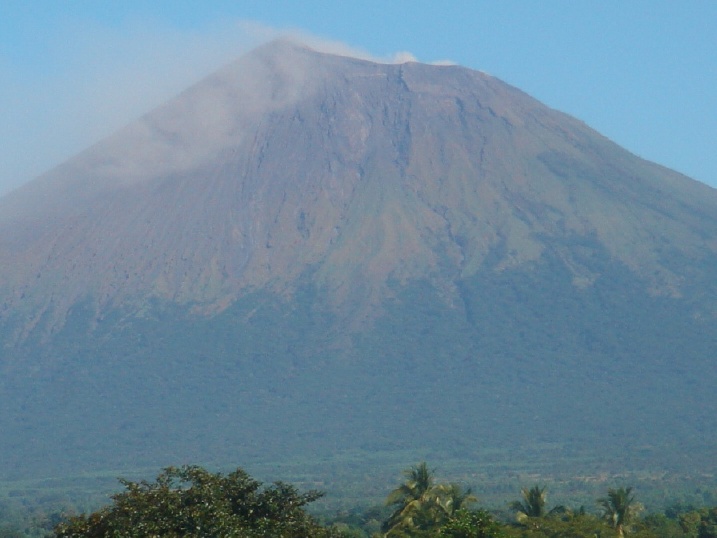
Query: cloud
<point>338,48</point>
<point>444,62</point>
<point>94,81</point>
<point>403,57</point>
<point>98,79</point>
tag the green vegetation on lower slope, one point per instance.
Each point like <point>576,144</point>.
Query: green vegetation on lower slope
<point>517,371</point>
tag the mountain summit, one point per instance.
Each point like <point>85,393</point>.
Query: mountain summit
<point>290,161</point>
<point>269,257</point>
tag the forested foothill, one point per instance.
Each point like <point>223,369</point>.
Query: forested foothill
<point>195,502</point>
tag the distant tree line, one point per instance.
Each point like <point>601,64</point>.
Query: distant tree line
<point>190,501</point>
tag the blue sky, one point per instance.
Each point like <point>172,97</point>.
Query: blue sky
<point>643,73</point>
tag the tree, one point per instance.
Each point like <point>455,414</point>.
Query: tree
<point>700,523</point>
<point>619,508</point>
<point>571,525</point>
<point>455,498</point>
<point>422,506</point>
<point>415,500</point>
<point>471,524</point>
<point>533,504</point>
<point>190,501</point>
<point>419,482</point>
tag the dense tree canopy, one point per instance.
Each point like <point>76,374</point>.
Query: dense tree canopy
<point>192,502</point>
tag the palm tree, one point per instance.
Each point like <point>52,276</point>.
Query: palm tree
<point>455,498</point>
<point>422,506</point>
<point>619,508</point>
<point>419,481</point>
<point>533,505</point>
<point>418,502</point>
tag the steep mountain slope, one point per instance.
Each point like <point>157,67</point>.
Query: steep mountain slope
<point>305,246</point>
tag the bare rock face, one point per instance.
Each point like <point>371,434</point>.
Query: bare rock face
<point>427,209</point>
<point>290,159</point>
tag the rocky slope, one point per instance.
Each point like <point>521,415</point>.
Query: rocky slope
<point>291,159</point>
<point>294,235</point>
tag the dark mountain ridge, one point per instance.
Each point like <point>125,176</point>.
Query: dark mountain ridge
<point>305,246</point>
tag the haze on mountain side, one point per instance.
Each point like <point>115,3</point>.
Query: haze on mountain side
<point>309,255</point>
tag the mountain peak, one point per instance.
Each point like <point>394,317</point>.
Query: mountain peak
<point>261,263</point>
<point>290,160</point>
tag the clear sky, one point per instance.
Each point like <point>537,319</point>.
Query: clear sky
<point>642,72</point>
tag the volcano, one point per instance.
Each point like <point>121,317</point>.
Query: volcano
<point>310,255</point>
